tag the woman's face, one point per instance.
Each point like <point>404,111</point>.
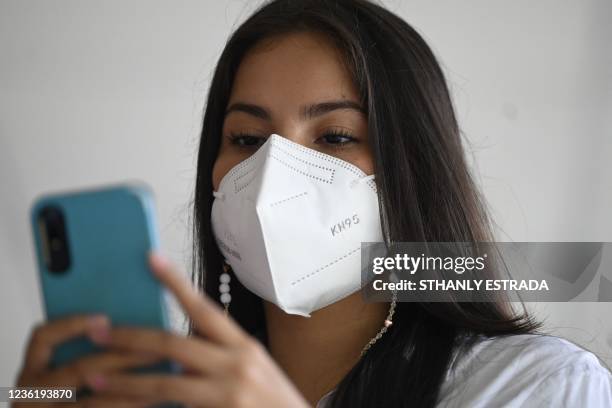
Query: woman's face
<point>295,86</point>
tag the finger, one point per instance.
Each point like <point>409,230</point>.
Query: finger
<point>188,390</point>
<point>73,375</point>
<point>46,337</point>
<point>208,318</point>
<point>196,354</point>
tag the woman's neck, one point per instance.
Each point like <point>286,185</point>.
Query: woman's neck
<point>317,352</point>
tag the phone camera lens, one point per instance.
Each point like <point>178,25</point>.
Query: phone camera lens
<point>54,239</point>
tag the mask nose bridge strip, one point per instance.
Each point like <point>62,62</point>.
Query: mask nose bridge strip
<point>330,172</point>
<point>313,170</point>
<point>333,160</point>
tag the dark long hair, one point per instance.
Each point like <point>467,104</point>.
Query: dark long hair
<point>425,190</point>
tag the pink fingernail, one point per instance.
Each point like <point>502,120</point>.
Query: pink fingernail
<point>158,261</point>
<point>100,336</point>
<point>99,329</point>
<point>96,381</point>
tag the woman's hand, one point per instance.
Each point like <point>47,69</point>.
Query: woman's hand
<point>36,372</point>
<point>224,368</point>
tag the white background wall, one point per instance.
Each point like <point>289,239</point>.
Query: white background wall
<point>101,91</point>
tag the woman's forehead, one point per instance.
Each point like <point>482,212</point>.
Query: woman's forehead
<point>293,70</point>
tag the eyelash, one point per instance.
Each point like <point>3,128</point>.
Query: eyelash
<point>240,139</point>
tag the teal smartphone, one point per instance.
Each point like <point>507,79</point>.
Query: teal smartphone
<point>91,251</point>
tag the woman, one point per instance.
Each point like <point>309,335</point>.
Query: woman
<point>352,81</point>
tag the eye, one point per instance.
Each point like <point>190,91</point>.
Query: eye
<point>337,138</point>
<point>246,140</point>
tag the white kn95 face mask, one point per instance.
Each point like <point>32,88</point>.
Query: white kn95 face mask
<point>290,220</point>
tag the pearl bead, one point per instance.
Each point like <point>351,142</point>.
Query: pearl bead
<point>226,298</point>
<point>224,278</point>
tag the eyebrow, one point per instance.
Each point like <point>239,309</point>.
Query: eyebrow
<point>306,112</point>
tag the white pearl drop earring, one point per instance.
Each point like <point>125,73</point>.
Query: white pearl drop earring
<point>224,288</point>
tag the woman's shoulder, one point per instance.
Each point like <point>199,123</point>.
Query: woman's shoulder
<point>545,353</point>
<point>530,369</point>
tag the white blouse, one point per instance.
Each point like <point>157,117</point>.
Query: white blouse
<point>524,371</point>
